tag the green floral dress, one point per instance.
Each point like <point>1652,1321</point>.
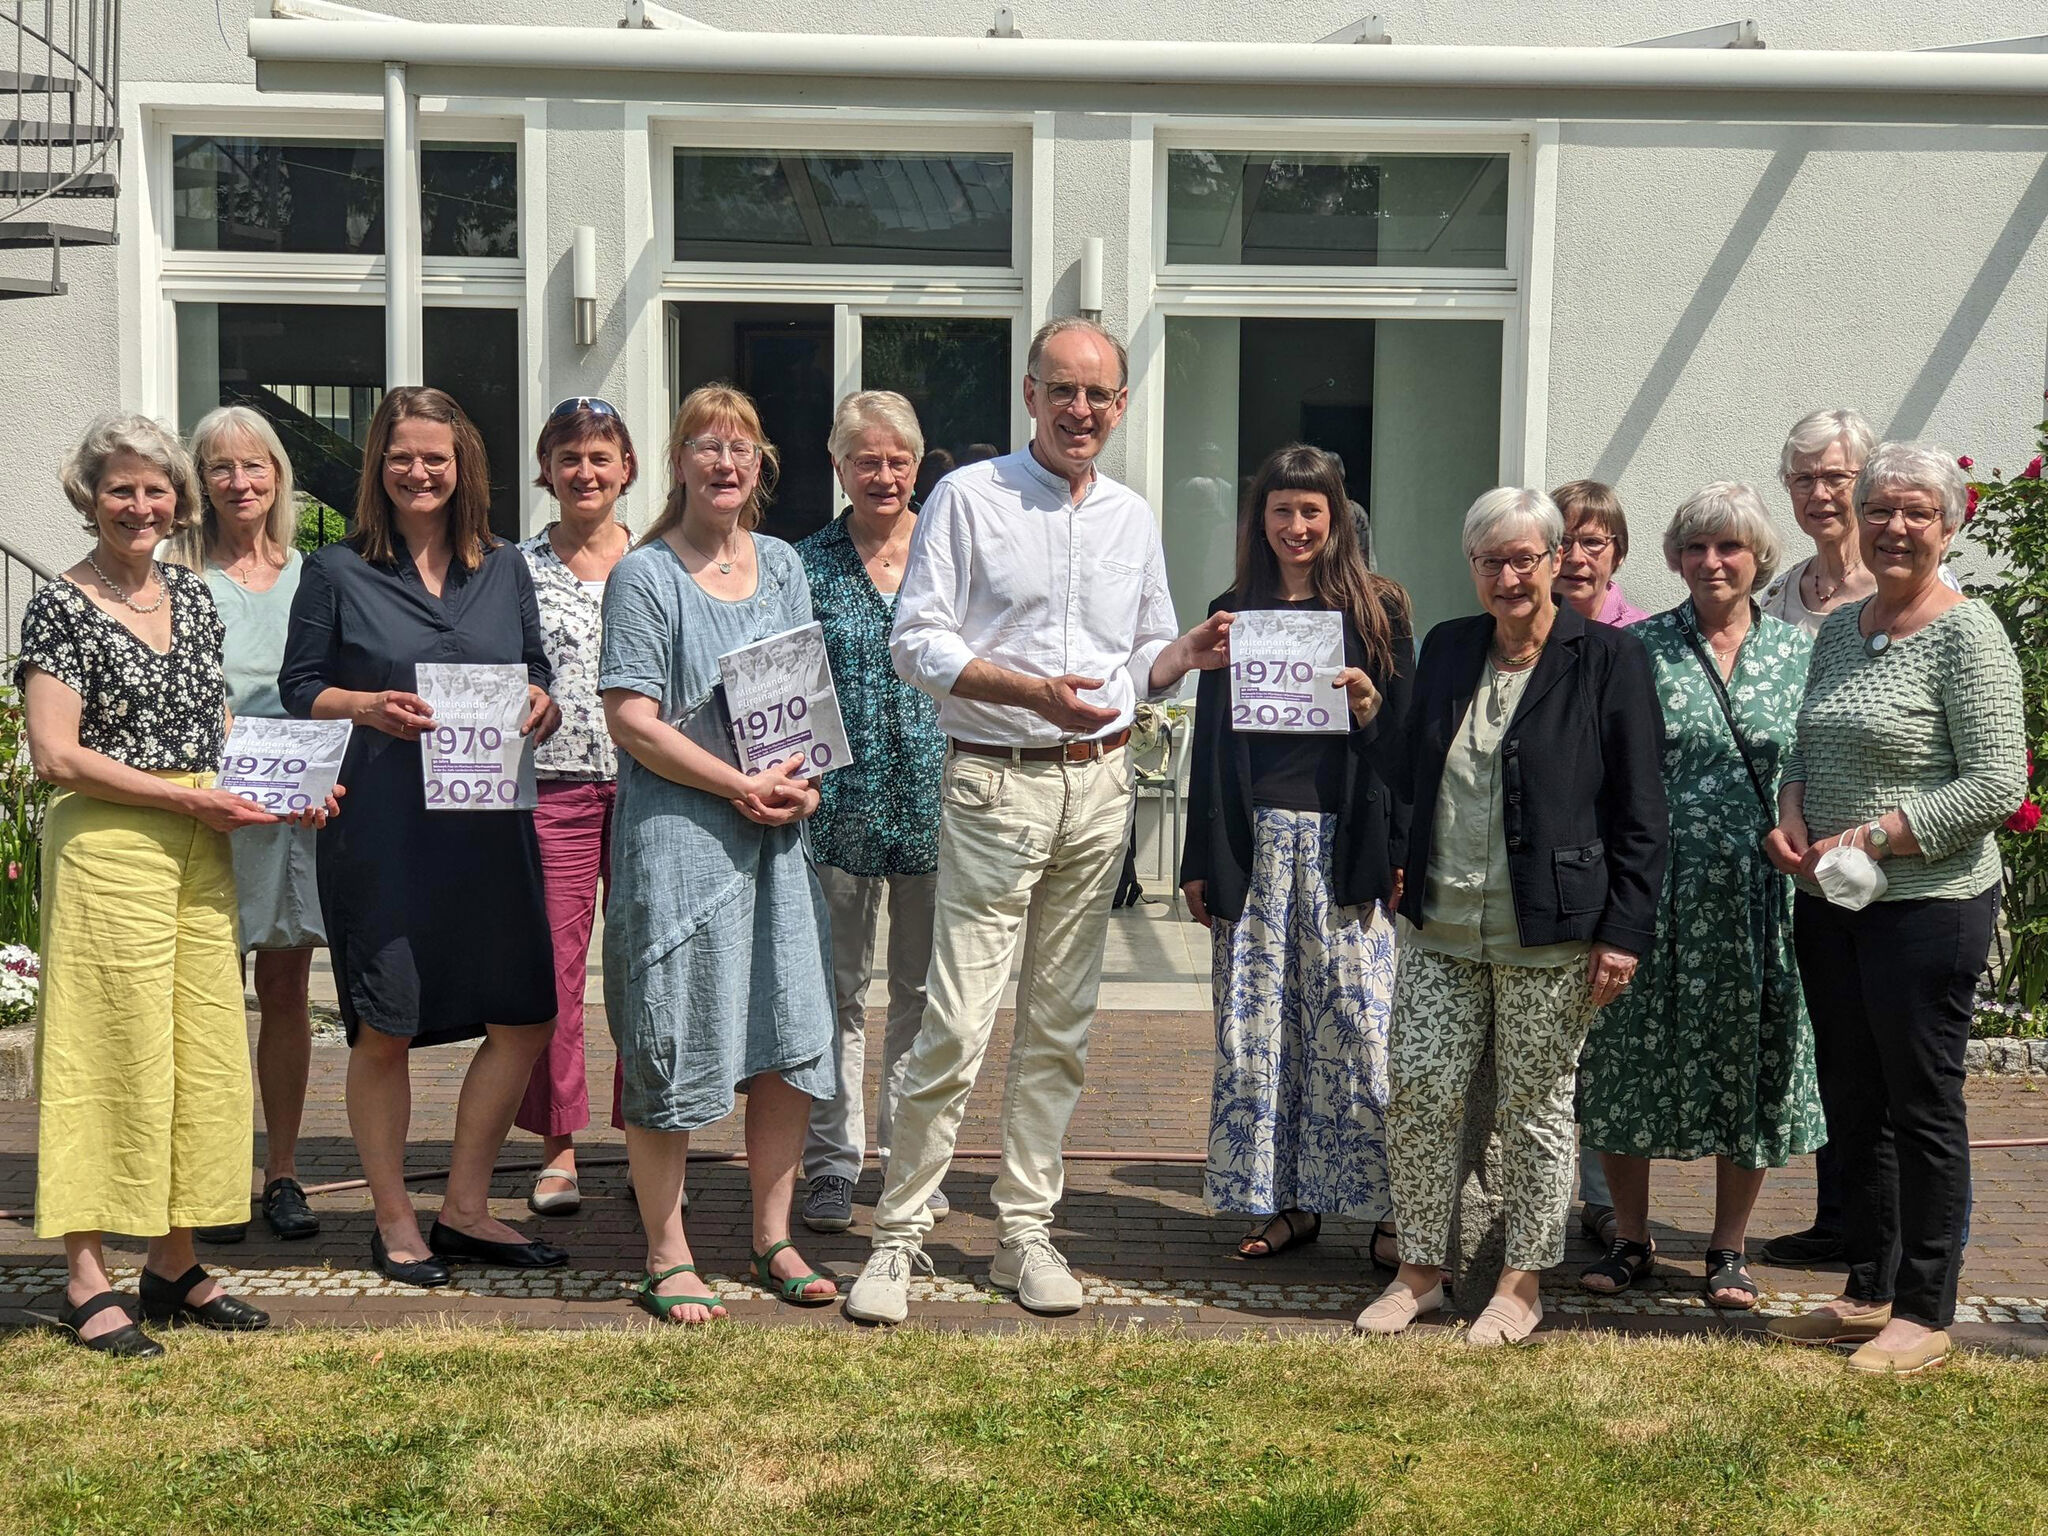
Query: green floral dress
<point>1709,1052</point>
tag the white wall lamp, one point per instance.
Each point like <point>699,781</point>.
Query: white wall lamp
<point>583,282</point>
<point>1091,277</point>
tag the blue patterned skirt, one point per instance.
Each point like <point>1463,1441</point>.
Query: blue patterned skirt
<point>1303,992</point>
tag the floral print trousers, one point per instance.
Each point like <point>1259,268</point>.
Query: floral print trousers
<point>1444,1010</point>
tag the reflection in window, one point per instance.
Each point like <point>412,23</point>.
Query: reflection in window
<point>956,375</point>
<point>326,196</point>
<point>1412,407</point>
<point>317,372</point>
<point>1374,210</point>
<point>808,206</point>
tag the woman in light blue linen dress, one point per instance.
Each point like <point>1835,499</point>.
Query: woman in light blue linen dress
<point>717,973</point>
<point>242,545</point>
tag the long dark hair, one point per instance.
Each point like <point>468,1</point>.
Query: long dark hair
<point>1339,577</point>
<point>468,510</point>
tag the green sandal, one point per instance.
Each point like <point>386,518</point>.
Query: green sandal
<point>646,1297</point>
<point>792,1289</point>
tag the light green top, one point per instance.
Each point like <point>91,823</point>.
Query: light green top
<point>1468,910</point>
<point>254,648</point>
<point>1931,727</point>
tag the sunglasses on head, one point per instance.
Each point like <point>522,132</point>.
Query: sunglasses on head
<point>595,404</point>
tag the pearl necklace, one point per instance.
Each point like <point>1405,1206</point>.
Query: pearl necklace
<point>119,591</point>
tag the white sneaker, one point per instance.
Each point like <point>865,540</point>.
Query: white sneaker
<point>1038,1274</point>
<point>939,1205</point>
<point>882,1293</point>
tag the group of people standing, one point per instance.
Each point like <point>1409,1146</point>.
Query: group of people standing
<point>1564,828</point>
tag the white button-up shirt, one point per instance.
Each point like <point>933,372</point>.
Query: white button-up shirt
<point>1004,567</point>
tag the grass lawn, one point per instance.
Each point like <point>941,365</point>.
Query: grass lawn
<point>734,1428</point>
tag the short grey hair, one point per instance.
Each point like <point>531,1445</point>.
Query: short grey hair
<point>1059,326</point>
<point>122,432</point>
<point>1814,433</point>
<point>1919,467</point>
<point>218,428</point>
<point>874,408</point>
<point>1737,511</point>
<point>1507,510</point>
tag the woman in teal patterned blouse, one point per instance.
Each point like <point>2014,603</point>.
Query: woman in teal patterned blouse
<point>877,826</point>
<point>1708,1053</point>
<point>1912,750</point>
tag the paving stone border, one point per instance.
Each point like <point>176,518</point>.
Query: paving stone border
<point>2006,1056</point>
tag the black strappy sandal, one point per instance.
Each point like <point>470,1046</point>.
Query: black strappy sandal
<point>1296,1235</point>
<point>1626,1264</point>
<point>1382,1229</point>
<point>1727,1270</point>
<point>165,1301</point>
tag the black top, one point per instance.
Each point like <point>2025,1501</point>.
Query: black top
<point>1584,796</point>
<point>158,712</point>
<point>435,919</point>
<point>1224,783</point>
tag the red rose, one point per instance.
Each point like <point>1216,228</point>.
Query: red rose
<point>2025,819</point>
<point>1970,507</point>
<point>1966,462</point>
<point>2033,469</point>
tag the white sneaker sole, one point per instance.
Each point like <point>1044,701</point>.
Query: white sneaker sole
<point>862,1314</point>
<point>827,1223</point>
<point>1043,1309</point>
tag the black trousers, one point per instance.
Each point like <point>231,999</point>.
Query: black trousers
<point>1889,990</point>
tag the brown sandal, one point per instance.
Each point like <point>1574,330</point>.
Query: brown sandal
<point>1296,1235</point>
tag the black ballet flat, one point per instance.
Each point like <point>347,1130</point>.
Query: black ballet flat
<point>425,1273</point>
<point>125,1343</point>
<point>448,1243</point>
<point>164,1301</point>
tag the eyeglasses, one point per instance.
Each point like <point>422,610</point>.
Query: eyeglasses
<point>1064,395</point>
<point>432,463</point>
<point>869,465</point>
<point>709,450</point>
<point>222,471</point>
<point>1491,566</point>
<point>595,404</point>
<point>1833,479</point>
<point>1594,544</point>
<point>1916,518</point>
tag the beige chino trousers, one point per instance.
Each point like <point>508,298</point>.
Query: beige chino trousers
<point>1024,848</point>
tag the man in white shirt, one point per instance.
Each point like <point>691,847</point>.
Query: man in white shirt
<point>1034,609</point>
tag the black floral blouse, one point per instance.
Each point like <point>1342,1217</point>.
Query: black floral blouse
<point>880,814</point>
<point>164,713</point>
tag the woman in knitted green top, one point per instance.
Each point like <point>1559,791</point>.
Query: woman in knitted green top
<point>1912,750</point>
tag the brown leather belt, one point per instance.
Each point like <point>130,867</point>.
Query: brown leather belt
<point>1065,752</point>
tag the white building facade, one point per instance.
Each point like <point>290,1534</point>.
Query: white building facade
<point>1499,248</point>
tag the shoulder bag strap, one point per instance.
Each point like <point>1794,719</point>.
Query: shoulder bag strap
<point>1720,686</point>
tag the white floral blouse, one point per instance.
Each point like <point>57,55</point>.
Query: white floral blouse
<point>572,627</point>
<point>165,713</point>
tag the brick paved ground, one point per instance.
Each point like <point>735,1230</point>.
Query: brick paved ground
<point>1133,1226</point>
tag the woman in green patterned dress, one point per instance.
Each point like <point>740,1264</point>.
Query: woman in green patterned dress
<point>1709,1053</point>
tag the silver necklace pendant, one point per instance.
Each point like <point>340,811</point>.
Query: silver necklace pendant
<point>1877,644</point>
<point>724,567</point>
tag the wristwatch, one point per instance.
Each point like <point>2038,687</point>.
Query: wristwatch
<point>1879,839</point>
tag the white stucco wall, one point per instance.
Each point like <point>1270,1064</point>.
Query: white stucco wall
<point>1711,281</point>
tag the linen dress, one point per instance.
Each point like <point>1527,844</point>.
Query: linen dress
<point>435,919</point>
<point>1709,1052</point>
<point>716,942</point>
<point>278,893</point>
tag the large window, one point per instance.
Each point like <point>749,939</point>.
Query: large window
<point>1353,210</point>
<point>292,196</point>
<point>881,207</point>
<point>317,372</point>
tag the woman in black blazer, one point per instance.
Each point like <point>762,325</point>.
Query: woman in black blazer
<point>1287,862</point>
<point>1534,851</point>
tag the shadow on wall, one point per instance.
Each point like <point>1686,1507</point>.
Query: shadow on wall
<point>2022,228</point>
<point>1692,324</point>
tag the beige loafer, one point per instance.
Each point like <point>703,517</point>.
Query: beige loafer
<point>559,1202</point>
<point>1503,1323</point>
<point>1827,1327</point>
<point>1396,1307</point>
<point>1924,1356</point>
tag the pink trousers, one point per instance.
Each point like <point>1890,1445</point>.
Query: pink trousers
<point>574,824</point>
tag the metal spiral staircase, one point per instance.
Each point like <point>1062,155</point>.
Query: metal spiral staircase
<point>60,133</point>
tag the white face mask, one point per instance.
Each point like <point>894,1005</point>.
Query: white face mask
<point>1849,878</point>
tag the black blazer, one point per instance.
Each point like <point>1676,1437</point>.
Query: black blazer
<point>1584,796</point>
<point>1219,838</point>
